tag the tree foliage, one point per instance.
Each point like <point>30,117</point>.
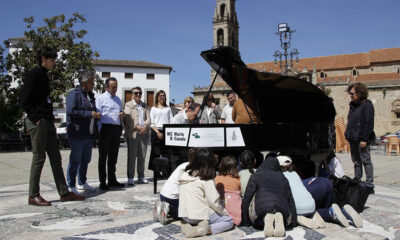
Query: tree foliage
<point>74,56</point>
<point>10,111</point>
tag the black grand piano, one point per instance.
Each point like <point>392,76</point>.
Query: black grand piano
<point>296,117</point>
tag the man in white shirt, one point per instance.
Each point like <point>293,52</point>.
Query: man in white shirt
<point>110,107</point>
<point>226,116</point>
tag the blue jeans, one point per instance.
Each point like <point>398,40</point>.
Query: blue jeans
<point>79,158</point>
<point>321,190</point>
<point>173,205</point>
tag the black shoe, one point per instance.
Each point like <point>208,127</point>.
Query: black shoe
<point>104,186</point>
<point>116,184</point>
<point>371,189</point>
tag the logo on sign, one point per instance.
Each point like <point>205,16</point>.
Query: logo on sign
<point>195,135</point>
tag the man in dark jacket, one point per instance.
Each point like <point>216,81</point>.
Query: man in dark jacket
<point>81,115</point>
<point>272,195</point>
<point>360,131</point>
<point>35,100</point>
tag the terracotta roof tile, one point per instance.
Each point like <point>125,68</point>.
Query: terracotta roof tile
<point>347,61</point>
<point>129,63</point>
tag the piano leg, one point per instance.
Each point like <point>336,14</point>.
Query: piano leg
<point>155,174</point>
<point>317,158</point>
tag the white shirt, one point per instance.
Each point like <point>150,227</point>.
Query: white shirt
<point>171,186</point>
<point>139,107</point>
<point>335,168</point>
<point>160,116</point>
<point>180,118</point>
<point>227,113</point>
<point>209,110</point>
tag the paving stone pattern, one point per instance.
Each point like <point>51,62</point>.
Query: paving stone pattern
<point>126,213</point>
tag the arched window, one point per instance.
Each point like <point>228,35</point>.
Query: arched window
<point>222,10</point>
<point>220,37</point>
<point>355,73</point>
<point>322,75</point>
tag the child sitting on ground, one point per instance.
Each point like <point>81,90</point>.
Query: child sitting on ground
<point>273,206</point>
<point>228,186</point>
<point>199,199</point>
<point>247,162</point>
<point>169,194</point>
<point>305,204</point>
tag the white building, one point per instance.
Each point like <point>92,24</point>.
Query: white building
<point>151,77</point>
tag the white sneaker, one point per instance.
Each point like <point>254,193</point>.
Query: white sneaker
<point>269,225</point>
<point>74,190</point>
<point>142,181</point>
<point>352,215</point>
<point>163,214</point>
<point>156,210</point>
<point>196,231</point>
<point>319,220</point>
<point>131,182</point>
<point>279,230</point>
<point>307,222</point>
<point>338,216</point>
<point>86,187</point>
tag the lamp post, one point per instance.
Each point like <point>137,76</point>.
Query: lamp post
<point>285,37</point>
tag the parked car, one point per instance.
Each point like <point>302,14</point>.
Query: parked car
<point>62,135</point>
<point>12,142</point>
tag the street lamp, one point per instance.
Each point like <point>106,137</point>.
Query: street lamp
<point>285,37</point>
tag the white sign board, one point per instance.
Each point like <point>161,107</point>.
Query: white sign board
<point>176,136</point>
<point>234,137</point>
<point>207,137</point>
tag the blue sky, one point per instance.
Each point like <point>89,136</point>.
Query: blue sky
<point>174,32</point>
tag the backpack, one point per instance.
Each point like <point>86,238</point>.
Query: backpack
<point>350,191</point>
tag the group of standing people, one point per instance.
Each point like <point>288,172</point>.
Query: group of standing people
<point>88,118</point>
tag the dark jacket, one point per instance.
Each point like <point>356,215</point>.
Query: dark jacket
<point>79,113</point>
<point>360,121</point>
<point>272,194</point>
<point>35,95</point>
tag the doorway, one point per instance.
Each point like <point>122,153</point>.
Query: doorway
<point>150,98</point>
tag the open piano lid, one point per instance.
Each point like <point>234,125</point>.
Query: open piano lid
<point>273,97</point>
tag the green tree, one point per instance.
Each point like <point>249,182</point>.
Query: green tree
<point>10,111</point>
<point>74,56</point>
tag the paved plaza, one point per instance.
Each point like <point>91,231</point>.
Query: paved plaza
<point>127,213</point>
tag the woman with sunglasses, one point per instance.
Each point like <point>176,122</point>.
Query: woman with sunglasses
<point>186,103</point>
<point>160,114</point>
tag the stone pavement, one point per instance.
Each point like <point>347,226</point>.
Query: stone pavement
<point>127,213</point>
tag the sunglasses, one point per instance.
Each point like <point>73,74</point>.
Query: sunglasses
<point>351,94</point>
<point>137,93</point>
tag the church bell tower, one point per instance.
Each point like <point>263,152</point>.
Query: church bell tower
<point>225,24</point>
<point>225,30</point>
